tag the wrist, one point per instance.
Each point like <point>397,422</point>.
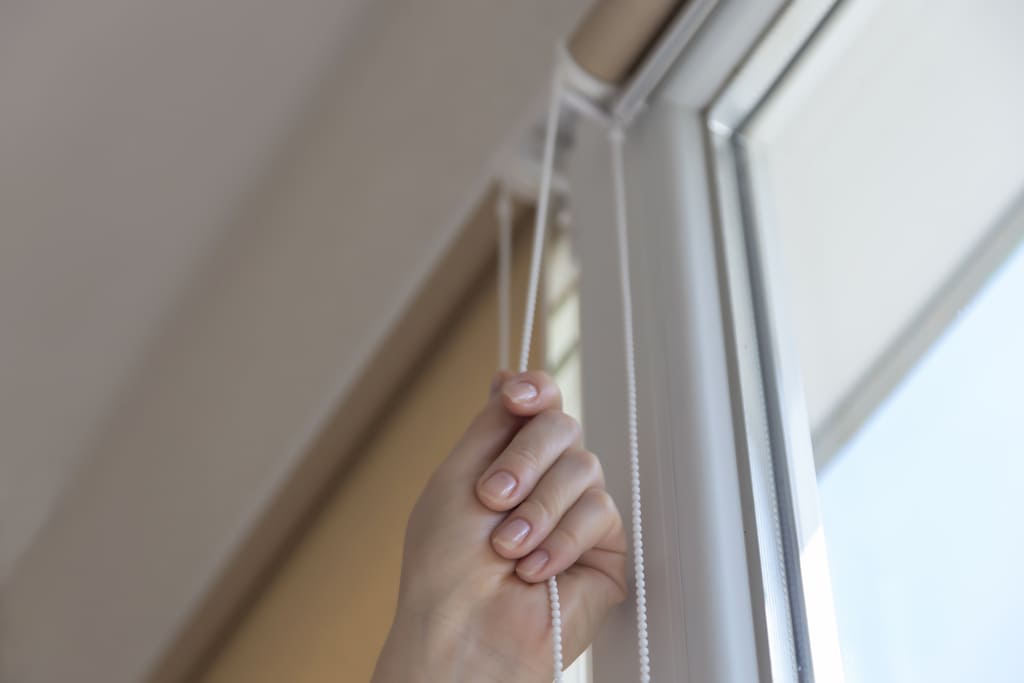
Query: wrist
<point>429,648</point>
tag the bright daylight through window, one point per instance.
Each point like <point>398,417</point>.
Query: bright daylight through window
<point>887,183</point>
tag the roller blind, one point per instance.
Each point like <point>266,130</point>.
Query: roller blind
<point>324,614</point>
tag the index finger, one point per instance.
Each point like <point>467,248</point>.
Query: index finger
<point>520,397</point>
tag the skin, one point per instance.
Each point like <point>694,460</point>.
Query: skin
<point>517,501</point>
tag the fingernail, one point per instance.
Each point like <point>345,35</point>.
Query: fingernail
<point>499,485</point>
<point>513,533</point>
<point>535,562</point>
<point>521,392</point>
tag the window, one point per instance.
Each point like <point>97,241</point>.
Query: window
<point>825,209</point>
<point>882,197</point>
<point>922,504</point>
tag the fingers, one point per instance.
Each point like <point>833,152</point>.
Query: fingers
<point>499,379</point>
<point>515,473</point>
<point>591,524</point>
<point>534,519</point>
<point>521,396</point>
<point>530,392</point>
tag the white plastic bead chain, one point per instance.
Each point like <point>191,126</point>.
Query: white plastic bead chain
<point>640,584</point>
<point>558,97</point>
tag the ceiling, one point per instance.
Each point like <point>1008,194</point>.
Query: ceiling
<point>129,133</point>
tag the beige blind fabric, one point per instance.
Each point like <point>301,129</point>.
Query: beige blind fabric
<point>324,616</point>
<point>615,34</point>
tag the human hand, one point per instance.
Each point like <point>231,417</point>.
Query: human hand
<point>517,501</point>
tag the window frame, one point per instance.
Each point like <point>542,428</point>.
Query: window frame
<point>727,467</point>
<point>772,394</point>
<point>776,428</point>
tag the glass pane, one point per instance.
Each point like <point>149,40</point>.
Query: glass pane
<point>922,508</point>
<point>887,188</point>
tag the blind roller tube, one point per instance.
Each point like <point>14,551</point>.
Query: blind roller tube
<point>615,35</point>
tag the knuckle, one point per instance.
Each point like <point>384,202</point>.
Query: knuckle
<point>523,459</point>
<point>588,464</point>
<point>565,538</point>
<point>620,592</point>
<point>550,415</point>
<point>536,510</point>
<point>602,501</point>
<point>563,423</point>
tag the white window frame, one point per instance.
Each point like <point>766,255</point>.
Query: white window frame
<point>728,479</point>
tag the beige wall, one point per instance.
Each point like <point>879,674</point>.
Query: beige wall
<point>325,614</point>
